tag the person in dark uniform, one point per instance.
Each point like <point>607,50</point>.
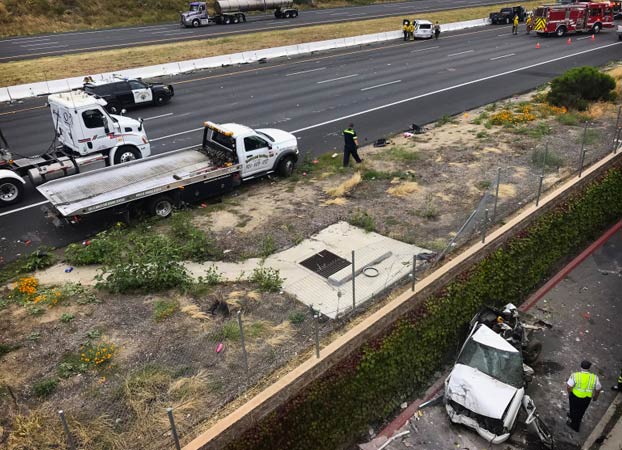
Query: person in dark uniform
<point>351,145</point>
<point>582,387</point>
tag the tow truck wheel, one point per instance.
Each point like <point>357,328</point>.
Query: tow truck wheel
<point>286,167</point>
<point>161,206</point>
<point>125,154</point>
<point>532,351</point>
<point>196,23</point>
<point>11,191</point>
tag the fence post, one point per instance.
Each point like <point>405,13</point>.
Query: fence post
<point>485,226</point>
<point>494,210</point>
<point>169,411</point>
<point>581,164</point>
<point>242,341</point>
<point>414,271</point>
<point>617,140</point>
<point>353,283</point>
<point>539,190</point>
<point>316,317</point>
<point>616,131</point>
<point>70,443</point>
<point>582,154</point>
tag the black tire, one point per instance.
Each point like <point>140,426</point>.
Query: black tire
<point>560,32</point>
<point>113,108</point>
<point>126,154</point>
<point>596,28</point>
<point>161,206</point>
<point>619,37</point>
<point>287,15</point>
<point>226,20</point>
<point>294,13</point>
<point>161,99</point>
<point>11,191</point>
<point>277,14</point>
<point>235,19</point>
<point>196,23</point>
<point>285,167</point>
<point>532,352</point>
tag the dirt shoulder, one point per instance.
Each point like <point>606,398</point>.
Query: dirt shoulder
<point>182,348</point>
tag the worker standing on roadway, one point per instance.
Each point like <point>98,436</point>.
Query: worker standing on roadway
<point>515,24</point>
<point>405,26</point>
<point>411,30</point>
<point>528,24</point>
<point>618,387</point>
<point>351,145</point>
<point>437,30</point>
<point>582,387</point>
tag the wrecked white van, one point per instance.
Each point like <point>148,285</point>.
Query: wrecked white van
<point>485,389</point>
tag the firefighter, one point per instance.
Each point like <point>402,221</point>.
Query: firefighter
<point>411,30</point>
<point>582,387</point>
<point>350,146</point>
<point>528,24</point>
<point>515,24</point>
<point>437,30</point>
<point>618,387</point>
<point>405,26</point>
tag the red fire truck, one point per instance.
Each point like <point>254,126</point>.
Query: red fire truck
<point>572,18</point>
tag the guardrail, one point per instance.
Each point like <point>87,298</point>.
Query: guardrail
<point>22,91</point>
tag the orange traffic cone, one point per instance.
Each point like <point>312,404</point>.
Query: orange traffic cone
<point>537,45</point>
<point>593,37</point>
<point>569,41</point>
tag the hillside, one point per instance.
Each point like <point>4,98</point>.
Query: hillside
<point>19,17</point>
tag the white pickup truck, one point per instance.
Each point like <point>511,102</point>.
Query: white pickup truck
<point>228,154</point>
<point>619,31</point>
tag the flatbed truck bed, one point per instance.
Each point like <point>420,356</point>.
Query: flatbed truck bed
<point>134,181</point>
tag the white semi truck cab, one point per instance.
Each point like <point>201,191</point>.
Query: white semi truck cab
<point>87,138</point>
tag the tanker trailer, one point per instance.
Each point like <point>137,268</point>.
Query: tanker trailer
<point>232,11</point>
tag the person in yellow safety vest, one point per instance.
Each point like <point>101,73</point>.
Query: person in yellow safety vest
<point>582,387</point>
<point>529,24</point>
<point>618,387</point>
<point>405,26</point>
<point>411,30</point>
<point>515,24</point>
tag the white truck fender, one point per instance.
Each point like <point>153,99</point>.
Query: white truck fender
<point>10,174</point>
<point>113,151</point>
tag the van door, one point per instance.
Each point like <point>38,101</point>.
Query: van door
<point>256,155</point>
<point>141,92</point>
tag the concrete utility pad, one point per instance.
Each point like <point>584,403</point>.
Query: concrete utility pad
<point>379,263</point>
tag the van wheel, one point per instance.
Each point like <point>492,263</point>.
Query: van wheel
<point>126,154</point>
<point>113,108</point>
<point>561,31</point>
<point>161,206</point>
<point>286,167</point>
<point>11,191</point>
<point>196,23</point>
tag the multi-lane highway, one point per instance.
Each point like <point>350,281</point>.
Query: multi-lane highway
<point>383,89</point>
<point>85,41</point>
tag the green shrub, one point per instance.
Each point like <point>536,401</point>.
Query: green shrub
<point>67,317</point>
<point>6,348</point>
<point>102,248</point>
<point>268,246</point>
<point>553,160</point>
<point>268,279</point>
<point>212,276</point>
<point>572,119</point>
<point>39,259</point>
<point>44,388</point>
<point>163,309</point>
<point>297,318</point>
<point>579,86</point>
<point>363,220</point>
<point>193,244</point>
<point>335,410</point>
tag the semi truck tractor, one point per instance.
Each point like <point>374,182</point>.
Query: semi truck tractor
<point>229,153</point>
<point>233,11</point>
<point>87,137</point>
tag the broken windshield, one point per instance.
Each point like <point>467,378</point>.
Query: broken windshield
<point>506,367</point>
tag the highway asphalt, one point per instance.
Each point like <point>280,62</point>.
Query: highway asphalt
<point>382,88</point>
<point>27,47</point>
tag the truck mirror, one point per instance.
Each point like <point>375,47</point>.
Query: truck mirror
<point>140,127</point>
<point>123,111</point>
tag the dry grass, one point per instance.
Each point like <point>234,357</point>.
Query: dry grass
<point>598,110</point>
<point>194,312</point>
<point>616,73</point>
<point>339,201</point>
<point>403,189</point>
<point>344,188</point>
<point>58,67</point>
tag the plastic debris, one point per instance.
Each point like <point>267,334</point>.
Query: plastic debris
<point>304,174</point>
<point>315,161</point>
<point>68,269</point>
<point>334,155</point>
<point>27,242</point>
<point>219,347</point>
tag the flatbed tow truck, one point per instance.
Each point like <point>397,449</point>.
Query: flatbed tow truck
<point>228,154</point>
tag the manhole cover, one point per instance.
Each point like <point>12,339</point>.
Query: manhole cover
<point>325,263</point>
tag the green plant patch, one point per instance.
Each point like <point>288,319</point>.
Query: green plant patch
<point>400,154</point>
<point>547,159</point>
<point>268,246</point>
<point>163,309</point>
<point>590,137</point>
<point>370,384</point>
<point>67,317</point>
<point>445,119</point>
<point>71,365</point>
<point>572,119</point>
<point>6,348</point>
<point>297,318</point>
<point>44,388</point>
<point>579,86</point>
<point>268,279</point>
<point>363,220</point>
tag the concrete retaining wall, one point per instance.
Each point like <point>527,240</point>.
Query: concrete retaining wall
<point>43,88</point>
<point>286,387</point>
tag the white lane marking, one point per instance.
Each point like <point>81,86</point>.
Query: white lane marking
<point>175,134</point>
<point>154,28</point>
<point>338,14</point>
<point>23,208</point>
<point>176,33</point>
<point>47,46</point>
<point>381,85</point>
<point>584,37</point>
<point>166,31</point>
<point>505,34</point>
<point>27,40</point>
<point>423,49</point>
<point>449,88</point>
<point>340,78</point>
<point>157,117</point>
<point>38,44</point>
<point>305,71</point>
<point>357,14</point>
<point>460,53</point>
<point>114,30</point>
<point>502,56</point>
